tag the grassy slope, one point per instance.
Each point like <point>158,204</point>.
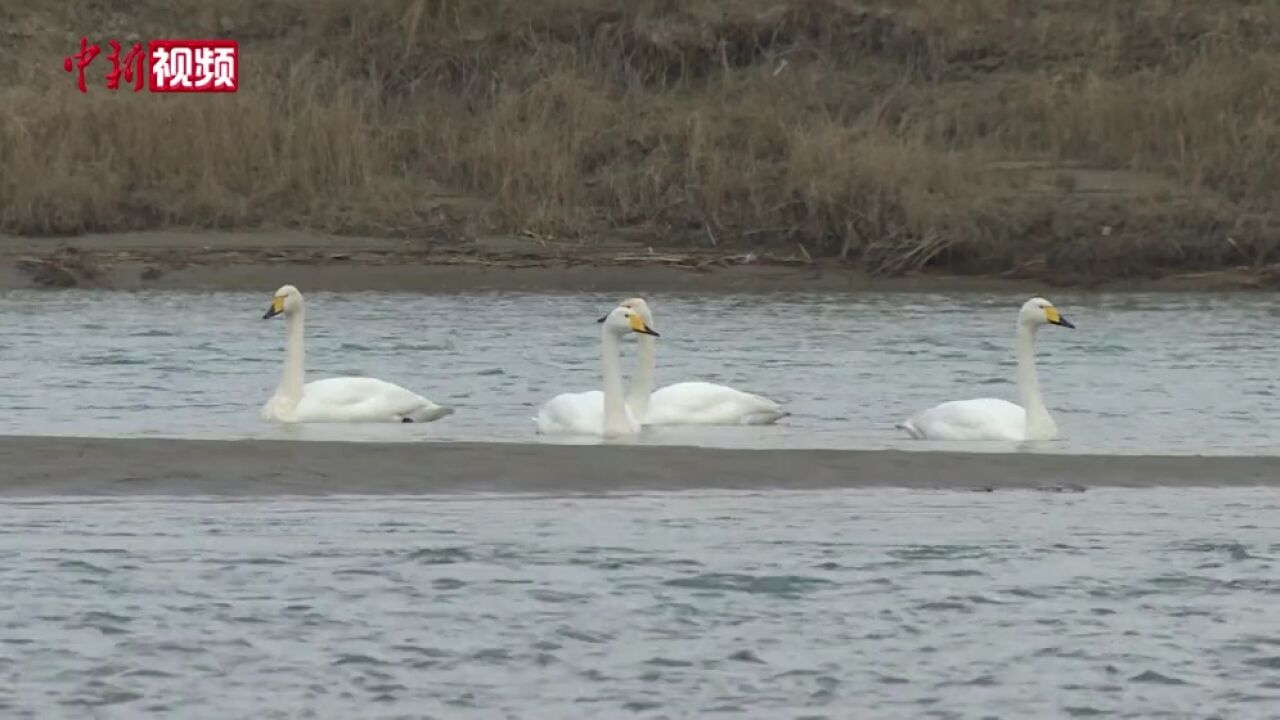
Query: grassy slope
<point>1082,138</point>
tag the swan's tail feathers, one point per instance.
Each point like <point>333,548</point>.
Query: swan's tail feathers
<point>911,429</point>
<point>765,417</point>
<point>429,414</point>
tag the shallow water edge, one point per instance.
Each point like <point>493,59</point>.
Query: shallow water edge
<point>42,466</point>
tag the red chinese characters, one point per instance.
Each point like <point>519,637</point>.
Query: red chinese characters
<point>82,59</point>
<point>133,68</point>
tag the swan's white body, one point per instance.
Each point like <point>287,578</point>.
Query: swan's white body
<point>694,402</point>
<point>978,419</point>
<point>339,399</point>
<point>580,413</point>
<point>597,412</point>
<point>993,418</point>
<point>352,399</point>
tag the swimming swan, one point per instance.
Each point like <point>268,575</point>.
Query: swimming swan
<point>991,418</point>
<point>595,412</point>
<point>340,399</point>
<point>690,403</point>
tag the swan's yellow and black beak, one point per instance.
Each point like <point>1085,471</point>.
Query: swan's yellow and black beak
<point>1052,315</point>
<point>277,307</point>
<point>637,325</point>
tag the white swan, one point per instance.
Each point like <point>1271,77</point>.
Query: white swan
<point>595,412</point>
<point>340,399</point>
<point>690,403</point>
<point>992,418</point>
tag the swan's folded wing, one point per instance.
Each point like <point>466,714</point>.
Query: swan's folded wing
<point>707,403</point>
<point>977,419</point>
<point>359,398</point>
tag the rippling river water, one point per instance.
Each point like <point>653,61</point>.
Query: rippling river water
<point>866,604</point>
<point>1175,373</point>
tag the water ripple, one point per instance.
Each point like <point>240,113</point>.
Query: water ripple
<point>881,603</point>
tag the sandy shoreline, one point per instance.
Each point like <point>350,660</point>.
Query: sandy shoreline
<point>257,260</point>
<point>70,466</point>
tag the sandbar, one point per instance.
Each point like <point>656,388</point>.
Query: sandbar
<point>32,466</point>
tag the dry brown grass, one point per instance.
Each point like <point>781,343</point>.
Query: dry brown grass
<point>1077,137</point>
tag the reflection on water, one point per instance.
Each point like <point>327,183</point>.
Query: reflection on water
<point>1178,373</point>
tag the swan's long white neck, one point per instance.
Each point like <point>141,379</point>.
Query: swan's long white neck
<point>294,359</point>
<point>1040,425</point>
<point>615,412</point>
<point>642,381</point>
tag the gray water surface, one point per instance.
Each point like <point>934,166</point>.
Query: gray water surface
<point>866,604</point>
<point>1154,373</point>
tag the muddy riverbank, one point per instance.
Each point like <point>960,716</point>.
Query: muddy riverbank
<point>268,259</point>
